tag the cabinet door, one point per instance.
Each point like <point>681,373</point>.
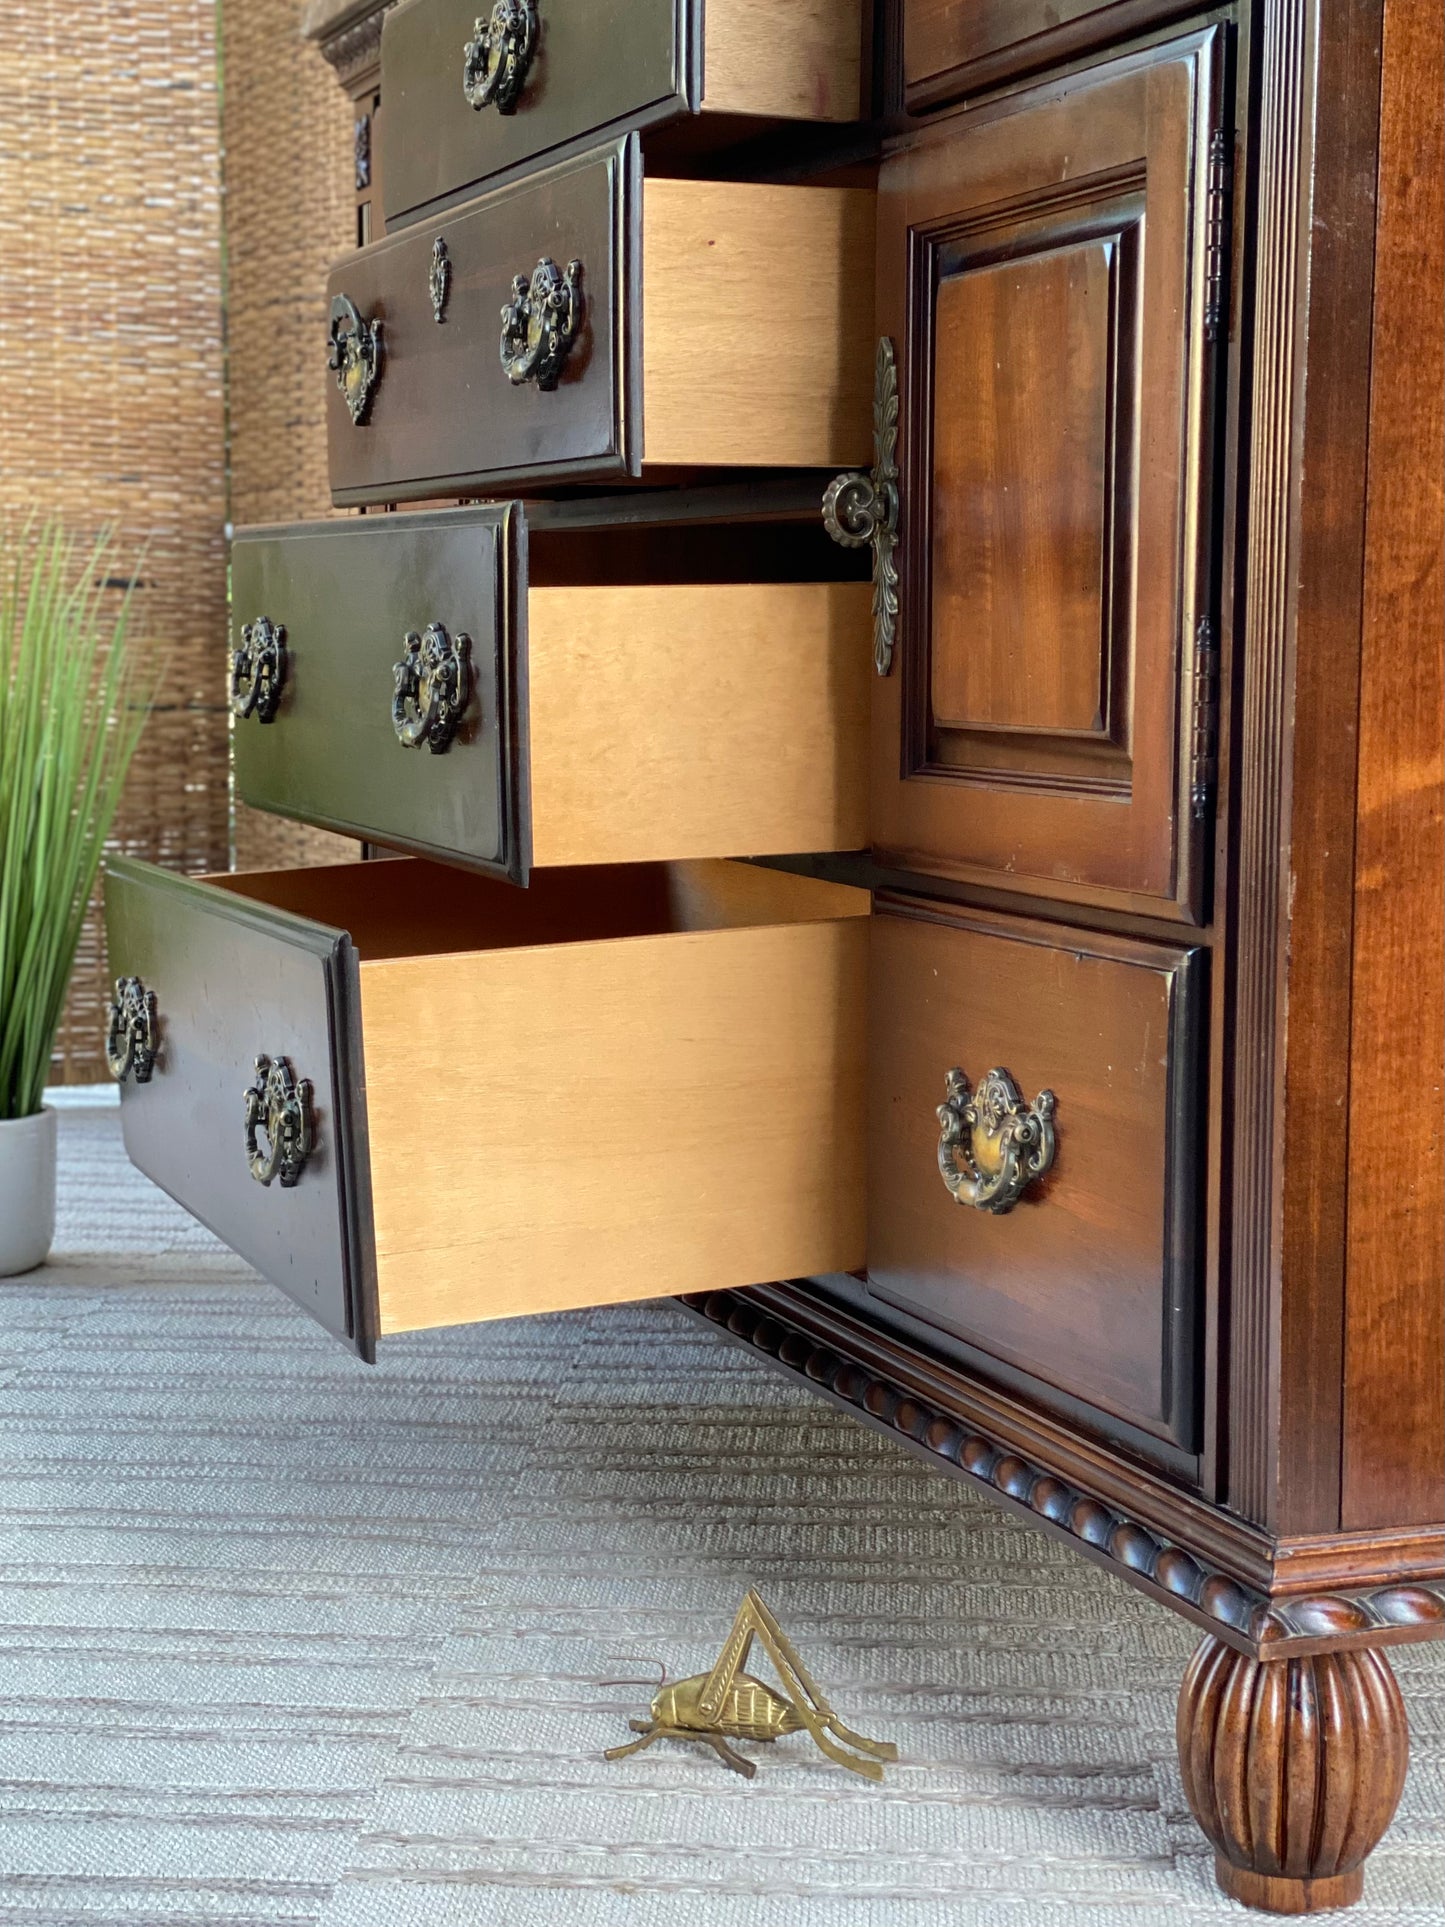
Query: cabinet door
<point>1052,276</point>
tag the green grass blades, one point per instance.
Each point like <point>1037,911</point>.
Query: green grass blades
<point>73,698</point>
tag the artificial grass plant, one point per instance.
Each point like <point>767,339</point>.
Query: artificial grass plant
<point>72,705</point>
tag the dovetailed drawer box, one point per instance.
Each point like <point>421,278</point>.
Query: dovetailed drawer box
<point>596,326</point>
<point>598,722</point>
<point>619,1084</point>
<point>1090,1282</point>
<point>469,95</point>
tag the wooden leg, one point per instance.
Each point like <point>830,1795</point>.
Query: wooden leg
<point>1293,1767</point>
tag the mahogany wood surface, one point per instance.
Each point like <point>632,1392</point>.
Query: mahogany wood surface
<point>1394,1339</point>
<point>1038,725</point>
<point>1023,353</point>
<point>1091,1282</point>
<point>954,47</point>
<point>1293,1768</point>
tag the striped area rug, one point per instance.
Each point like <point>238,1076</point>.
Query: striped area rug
<point>285,1639</point>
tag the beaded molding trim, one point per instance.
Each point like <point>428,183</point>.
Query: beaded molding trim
<point>1267,1628</point>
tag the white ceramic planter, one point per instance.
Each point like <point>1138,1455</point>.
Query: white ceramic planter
<point>27,1191</point>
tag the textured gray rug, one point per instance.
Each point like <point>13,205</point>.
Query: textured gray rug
<point>284,1639</point>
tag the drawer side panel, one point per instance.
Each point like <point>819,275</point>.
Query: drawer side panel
<point>634,1119</point>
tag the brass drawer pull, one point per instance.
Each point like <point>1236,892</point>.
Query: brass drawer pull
<point>860,511</point>
<point>993,1145</point>
<point>433,684</point>
<point>258,670</point>
<point>132,1037</point>
<point>439,279</point>
<point>278,1104</point>
<point>496,58</point>
<point>541,322</point>
<point>354,355</point>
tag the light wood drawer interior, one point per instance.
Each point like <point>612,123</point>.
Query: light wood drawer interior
<point>620,1084</point>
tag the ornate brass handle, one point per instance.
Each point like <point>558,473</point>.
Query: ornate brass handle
<point>541,322</point>
<point>278,1105</point>
<point>433,684</point>
<point>258,670</point>
<point>992,1145</point>
<point>133,1035</point>
<point>860,511</point>
<point>498,55</point>
<point>354,355</point>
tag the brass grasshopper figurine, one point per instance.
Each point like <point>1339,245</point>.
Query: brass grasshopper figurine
<point>726,1704</point>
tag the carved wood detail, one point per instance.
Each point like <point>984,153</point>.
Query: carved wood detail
<point>349,35</point>
<point>1250,1621</point>
<point>1293,1768</point>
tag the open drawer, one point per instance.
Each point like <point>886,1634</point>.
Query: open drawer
<point>586,325</point>
<point>413,1097</point>
<point>481,686</point>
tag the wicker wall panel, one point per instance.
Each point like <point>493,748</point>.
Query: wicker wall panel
<point>290,210</point>
<point>111,406</point>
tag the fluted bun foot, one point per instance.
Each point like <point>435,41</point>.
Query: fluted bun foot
<point>1294,1768</point>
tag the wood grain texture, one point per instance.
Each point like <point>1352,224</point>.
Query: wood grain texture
<point>1394,1365</point>
<point>954,47</point>
<point>648,1113</point>
<point>1294,811</point>
<point>757,325</point>
<point>712,719</point>
<point>1293,1768</point>
<point>1090,405</point>
<point>789,59</point>
<point>1022,362</point>
<point>1091,1282</point>
<point>1185,1553</point>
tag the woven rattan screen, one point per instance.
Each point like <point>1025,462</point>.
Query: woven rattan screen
<point>290,210</point>
<point>111,406</point>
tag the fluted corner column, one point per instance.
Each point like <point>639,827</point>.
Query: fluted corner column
<point>1293,1768</point>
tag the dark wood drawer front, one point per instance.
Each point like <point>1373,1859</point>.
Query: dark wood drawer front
<point>957,47</point>
<point>1049,721</point>
<point>443,412</point>
<point>234,979</point>
<point>598,68</point>
<point>604,65</point>
<point>348,594</point>
<point>1091,1282</point>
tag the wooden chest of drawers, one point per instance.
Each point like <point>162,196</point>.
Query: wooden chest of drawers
<point>1007,998</point>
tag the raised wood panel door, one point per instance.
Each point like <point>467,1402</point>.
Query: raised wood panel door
<point>1052,271</point>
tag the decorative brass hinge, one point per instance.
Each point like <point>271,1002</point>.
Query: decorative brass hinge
<point>1216,235</point>
<point>861,510</point>
<point>1204,756</point>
